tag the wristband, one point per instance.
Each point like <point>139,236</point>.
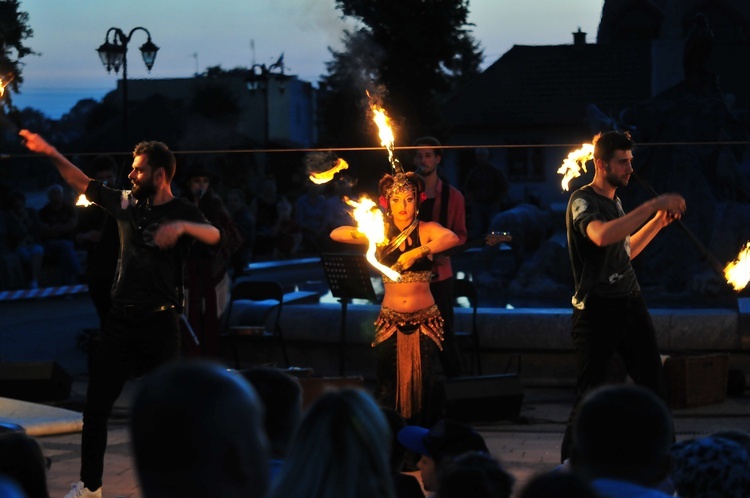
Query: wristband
<point>425,250</point>
<point>353,233</point>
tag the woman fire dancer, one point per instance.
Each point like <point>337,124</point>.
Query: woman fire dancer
<point>409,329</point>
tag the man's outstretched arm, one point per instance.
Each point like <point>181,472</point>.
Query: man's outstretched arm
<point>168,233</point>
<point>73,176</point>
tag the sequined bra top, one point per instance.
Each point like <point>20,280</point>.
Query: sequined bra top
<point>420,271</point>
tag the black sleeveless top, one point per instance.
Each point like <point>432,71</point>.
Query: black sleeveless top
<point>412,242</point>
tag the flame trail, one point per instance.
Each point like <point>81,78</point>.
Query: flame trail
<point>737,272</point>
<point>574,163</point>
<point>327,176</point>
<point>370,221</point>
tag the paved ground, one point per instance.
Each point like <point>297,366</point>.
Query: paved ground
<point>46,330</point>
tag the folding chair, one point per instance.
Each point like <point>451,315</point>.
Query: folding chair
<point>254,321</point>
<point>467,289</point>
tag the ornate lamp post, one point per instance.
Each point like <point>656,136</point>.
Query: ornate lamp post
<point>114,55</point>
<point>259,79</point>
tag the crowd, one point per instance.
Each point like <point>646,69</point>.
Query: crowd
<point>52,241</point>
<point>199,429</point>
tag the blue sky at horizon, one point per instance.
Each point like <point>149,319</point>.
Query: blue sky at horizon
<point>193,35</point>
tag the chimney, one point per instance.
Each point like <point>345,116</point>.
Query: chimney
<point>579,38</point>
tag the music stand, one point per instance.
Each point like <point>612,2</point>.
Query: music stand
<point>348,278</point>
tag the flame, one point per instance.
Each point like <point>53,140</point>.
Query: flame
<point>327,176</point>
<point>574,163</point>
<point>3,83</point>
<point>385,132</point>
<point>737,272</point>
<point>82,201</point>
<point>370,222</point>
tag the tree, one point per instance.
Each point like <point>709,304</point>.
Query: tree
<point>419,51</point>
<point>14,29</point>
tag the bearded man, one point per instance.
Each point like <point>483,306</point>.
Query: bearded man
<point>141,330</point>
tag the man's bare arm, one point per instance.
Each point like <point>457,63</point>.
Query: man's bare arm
<point>73,176</point>
<point>604,233</point>
<point>168,233</point>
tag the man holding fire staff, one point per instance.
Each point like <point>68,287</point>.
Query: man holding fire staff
<point>609,314</point>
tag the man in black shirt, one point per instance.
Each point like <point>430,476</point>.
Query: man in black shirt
<point>609,314</point>
<point>141,330</point>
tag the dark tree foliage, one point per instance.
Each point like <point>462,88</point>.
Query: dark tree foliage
<point>14,29</point>
<point>418,51</point>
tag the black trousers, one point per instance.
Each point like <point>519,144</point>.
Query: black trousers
<point>605,327</point>
<point>132,344</point>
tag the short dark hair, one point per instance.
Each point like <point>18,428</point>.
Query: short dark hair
<point>605,144</point>
<point>621,430</point>
<point>430,142</point>
<point>159,156</point>
<point>281,395</point>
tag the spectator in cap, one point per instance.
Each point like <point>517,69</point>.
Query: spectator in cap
<point>438,445</point>
<point>710,467</point>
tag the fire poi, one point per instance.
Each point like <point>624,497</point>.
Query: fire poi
<point>326,176</point>
<point>737,272</point>
<point>574,163</point>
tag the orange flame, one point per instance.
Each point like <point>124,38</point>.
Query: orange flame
<point>327,176</point>
<point>370,222</point>
<point>385,132</point>
<point>737,272</point>
<point>574,163</point>
<point>83,201</point>
<point>3,83</point>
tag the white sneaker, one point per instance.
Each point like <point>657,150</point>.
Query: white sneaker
<point>78,490</point>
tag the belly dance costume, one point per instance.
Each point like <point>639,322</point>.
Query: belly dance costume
<point>406,344</point>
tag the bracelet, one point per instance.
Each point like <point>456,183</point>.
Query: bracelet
<point>425,250</point>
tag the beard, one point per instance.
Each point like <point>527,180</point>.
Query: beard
<point>616,181</point>
<point>144,190</point>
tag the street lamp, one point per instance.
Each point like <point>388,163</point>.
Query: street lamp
<point>115,55</point>
<point>259,79</point>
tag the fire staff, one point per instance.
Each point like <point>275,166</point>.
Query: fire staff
<point>141,330</point>
<point>609,314</point>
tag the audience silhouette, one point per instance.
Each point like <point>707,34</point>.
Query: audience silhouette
<point>197,431</point>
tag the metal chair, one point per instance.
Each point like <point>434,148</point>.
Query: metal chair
<point>467,289</point>
<point>254,321</point>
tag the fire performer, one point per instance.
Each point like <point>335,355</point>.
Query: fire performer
<point>409,329</point>
<point>141,330</point>
<point>609,314</point>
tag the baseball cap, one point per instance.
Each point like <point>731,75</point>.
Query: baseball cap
<point>445,438</point>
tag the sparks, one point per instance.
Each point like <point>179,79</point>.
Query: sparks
<point>370,222</point>
<point>737,272</point>
<point>574,163</point>
<point>327,176</point>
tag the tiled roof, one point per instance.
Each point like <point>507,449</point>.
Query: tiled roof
<point>552,85</point>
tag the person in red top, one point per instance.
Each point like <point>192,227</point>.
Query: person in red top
<point>445,205</point>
